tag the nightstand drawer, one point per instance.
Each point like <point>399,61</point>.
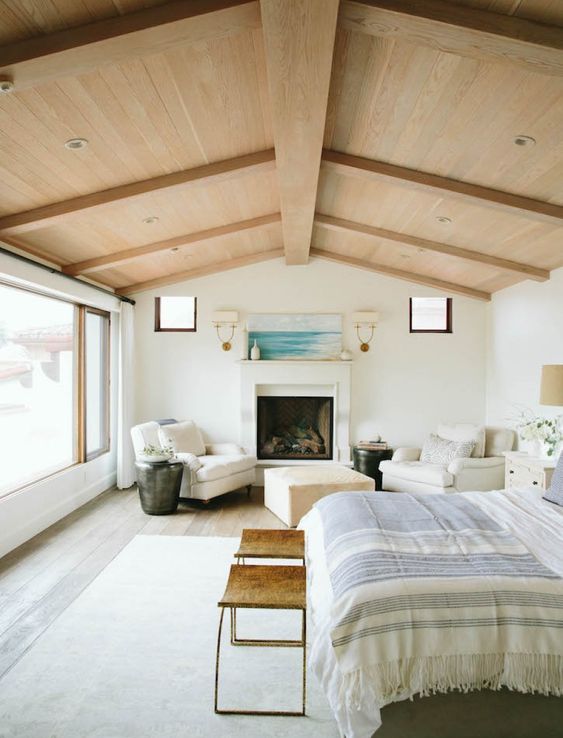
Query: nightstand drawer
<point>523,472</point>
<point>522,476</point>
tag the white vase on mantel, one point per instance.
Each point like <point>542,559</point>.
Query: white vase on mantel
<point>255,352</point>
<point>345,355</point>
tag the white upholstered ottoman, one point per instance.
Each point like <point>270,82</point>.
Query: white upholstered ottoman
<point>291,491</point>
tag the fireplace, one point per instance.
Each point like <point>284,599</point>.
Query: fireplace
<point>294,427</point>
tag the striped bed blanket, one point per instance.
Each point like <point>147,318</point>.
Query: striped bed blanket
<point>431,593</point>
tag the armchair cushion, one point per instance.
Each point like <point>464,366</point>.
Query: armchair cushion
<point>458,465</point>
<point>225,449</point>
<point>406,454</point>
<point>418,471</point>
<point>219,466</point>
<point>183,437</point>
<point>465,432</point>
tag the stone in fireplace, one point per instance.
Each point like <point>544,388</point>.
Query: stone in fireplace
<point>295,427</point>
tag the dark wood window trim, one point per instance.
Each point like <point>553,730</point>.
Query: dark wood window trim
<point>449,324</point>
<point>84,454</point>
<point>157,326</point>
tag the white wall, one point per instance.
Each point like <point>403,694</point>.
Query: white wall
<point>525,331</point>
<point>402,388</point>
<point>27,512</point>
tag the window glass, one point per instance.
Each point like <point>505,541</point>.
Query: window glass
<point>37,386</point>
<point>175,313</point>
<point>430,315</point>
<point>96,379</point>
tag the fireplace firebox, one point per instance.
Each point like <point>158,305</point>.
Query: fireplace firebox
<point>295,427</point>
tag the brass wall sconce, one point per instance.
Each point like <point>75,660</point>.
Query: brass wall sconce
<point>365,322</point>
<point>225,320</point>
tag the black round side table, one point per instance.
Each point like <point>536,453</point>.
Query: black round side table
<point>159,485</point>
<point>367,461</point>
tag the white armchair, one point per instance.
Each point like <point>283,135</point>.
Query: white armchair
<point>406,473</point>
<point>209,469</point>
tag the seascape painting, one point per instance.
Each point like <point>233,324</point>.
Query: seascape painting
<point>287,337</point>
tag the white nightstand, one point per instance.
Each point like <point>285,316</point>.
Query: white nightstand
<point>526,471</point>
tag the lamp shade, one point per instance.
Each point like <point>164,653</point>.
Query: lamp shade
<point>551,392</point>
<point>225,316</point>
<point>365,318</point>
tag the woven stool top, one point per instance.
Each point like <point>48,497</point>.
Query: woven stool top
<point>272,587</point>
<point>261,543</point>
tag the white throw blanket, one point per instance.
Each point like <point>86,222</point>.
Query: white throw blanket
<point>416,594</point>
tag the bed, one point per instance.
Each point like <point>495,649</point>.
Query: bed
<point>421,594</point>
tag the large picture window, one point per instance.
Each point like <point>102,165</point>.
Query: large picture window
<point>54,379</point>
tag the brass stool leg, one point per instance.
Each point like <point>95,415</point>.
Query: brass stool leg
<point>217,659</point>
<point>304,638</point>
<point>261,712</point>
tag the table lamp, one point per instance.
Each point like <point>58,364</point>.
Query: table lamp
<point>551,392</point>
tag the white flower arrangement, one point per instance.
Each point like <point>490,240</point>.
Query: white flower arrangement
<point>157,453</point>
<point>545,430</point>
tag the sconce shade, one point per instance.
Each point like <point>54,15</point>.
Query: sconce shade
<point>225,316</point>
<point>366,318</point>
<point>551,392</point>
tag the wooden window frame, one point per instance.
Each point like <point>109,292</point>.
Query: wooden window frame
<point>157,326</point>
<point>83,454</point>
<point>449,322</point>
<point>79,422</point>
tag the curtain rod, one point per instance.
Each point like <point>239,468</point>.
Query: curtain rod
<point>54,270</point>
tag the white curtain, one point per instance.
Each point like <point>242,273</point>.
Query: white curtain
<point>126,399</point>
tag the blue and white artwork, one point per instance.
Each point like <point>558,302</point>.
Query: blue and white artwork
<point>290,337</point>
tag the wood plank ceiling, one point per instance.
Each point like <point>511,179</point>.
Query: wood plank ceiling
<point>206,120</point>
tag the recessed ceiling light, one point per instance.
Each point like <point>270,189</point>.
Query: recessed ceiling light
<point>6,85</point>
<point>524,141</point>
<point>150,219</point>
<point>443,219</point>
<point>74,144</point>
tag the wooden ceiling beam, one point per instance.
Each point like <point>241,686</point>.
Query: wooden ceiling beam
<point>461,30</point>
<point>400,274</point>
<point>348,226</point>
<point>80,50</point>
<point>299,42</point>
<point>208,174</point>
<point>357,166</point>
<point>118,258</point>
<point>204,271</point>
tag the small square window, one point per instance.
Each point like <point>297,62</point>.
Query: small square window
<point>175,314</point>
<point>430,315</point>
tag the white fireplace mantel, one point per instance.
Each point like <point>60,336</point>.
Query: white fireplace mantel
<point>323,378</point>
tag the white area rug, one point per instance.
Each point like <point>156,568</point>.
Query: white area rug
<point>134,657</point>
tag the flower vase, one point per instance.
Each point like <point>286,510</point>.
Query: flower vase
<point>255,352</point>
<point>535,449</point>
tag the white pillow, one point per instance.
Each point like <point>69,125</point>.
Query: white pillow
<point>438,450</point>
<point>183,437</point>
<point>465,432</point>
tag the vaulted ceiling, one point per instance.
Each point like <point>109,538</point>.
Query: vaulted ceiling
<point>418,139</point>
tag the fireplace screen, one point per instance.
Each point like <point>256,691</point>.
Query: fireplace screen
<point>295,427</point>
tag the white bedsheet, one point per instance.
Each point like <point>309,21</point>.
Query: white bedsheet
<point>536,523</point>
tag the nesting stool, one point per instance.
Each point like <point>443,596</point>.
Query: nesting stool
<point>266,588</point>
<point>264,543</point>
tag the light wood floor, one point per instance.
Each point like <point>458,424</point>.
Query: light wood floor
<point>41,578</point>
